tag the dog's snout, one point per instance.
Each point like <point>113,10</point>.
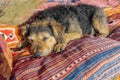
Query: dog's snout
<point>37,54</point>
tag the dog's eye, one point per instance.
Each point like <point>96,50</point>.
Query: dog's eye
<point>45,38</point>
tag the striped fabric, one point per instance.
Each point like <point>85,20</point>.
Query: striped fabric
<point>90,58</point>
<point>99,3</point>
<point>52,3</point>
<point>115,34</point>
<point>91,2</point>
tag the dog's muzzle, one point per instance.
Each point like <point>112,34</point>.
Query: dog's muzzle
<point>37,54</point>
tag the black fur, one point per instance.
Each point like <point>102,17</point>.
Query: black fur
<point>84,14</point>
<point>40,29</point>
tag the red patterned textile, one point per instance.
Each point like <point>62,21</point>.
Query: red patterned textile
<point>5,61</point>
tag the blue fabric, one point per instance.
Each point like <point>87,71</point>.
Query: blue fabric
<point>96,59</point>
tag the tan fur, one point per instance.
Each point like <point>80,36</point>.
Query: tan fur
<point>100,23</point>
<point>66,38</point>
<point>58,30</point>
<point>44,47</point>
<point>40,23</point>
<point>101,28</point>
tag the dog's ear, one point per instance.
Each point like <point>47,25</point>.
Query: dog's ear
<point>57,29</point>
<point>23,30</point>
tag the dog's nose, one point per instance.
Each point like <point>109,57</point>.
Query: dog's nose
<point>37,54</point>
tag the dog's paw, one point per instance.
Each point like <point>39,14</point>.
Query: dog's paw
<point>59,47</point>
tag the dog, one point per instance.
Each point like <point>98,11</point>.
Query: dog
<point>51,29</point>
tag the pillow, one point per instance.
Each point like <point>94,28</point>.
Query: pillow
<point>5,60</point>
<point>90,58</point>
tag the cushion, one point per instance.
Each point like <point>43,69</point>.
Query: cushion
<point>90,58</point>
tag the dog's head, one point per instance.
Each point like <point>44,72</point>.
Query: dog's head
<point>43,36</point>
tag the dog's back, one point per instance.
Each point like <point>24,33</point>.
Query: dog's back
<point>79,16</point>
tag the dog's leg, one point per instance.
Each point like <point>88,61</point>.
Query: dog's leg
<point>100,23</point>
<point>67,38</point>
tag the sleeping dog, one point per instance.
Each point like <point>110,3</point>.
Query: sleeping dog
<point>51,29</point>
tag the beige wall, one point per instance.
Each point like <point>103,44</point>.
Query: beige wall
<point>15,12</point>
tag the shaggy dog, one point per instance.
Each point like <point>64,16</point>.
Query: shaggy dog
<point>51,29</point>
